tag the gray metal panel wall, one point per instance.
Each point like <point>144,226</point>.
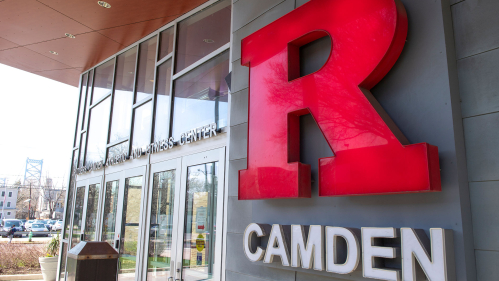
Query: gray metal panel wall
<point>420,94</point>
<point>476,30</point>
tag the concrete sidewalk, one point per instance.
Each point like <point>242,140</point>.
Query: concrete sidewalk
<point>21,277</point>
<point>35,240</point>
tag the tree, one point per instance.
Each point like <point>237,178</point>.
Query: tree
<point>50,194</point>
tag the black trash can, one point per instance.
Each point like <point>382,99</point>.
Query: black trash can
<point>96,261</point>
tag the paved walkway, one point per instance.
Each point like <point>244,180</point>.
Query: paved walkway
<point>21,277</point>
<point>25,240</point>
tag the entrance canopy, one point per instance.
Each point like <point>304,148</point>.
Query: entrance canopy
<point>59,39</point>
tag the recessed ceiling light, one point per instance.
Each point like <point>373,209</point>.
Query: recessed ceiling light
<point>53,52</point>
<point>209,41</point>
<point>69,35</point>
<point>104,4</point>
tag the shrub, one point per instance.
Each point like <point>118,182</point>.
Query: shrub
<point>15,256</point>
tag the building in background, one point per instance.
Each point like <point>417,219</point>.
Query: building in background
<point>51,203</point>
<point>163,131</point>
<point>8,203</point>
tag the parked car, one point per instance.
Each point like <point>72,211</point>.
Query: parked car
<point>57,226</point>
<point>50,224</point>
<point>27,225</point>
<point>8,223</point>
<point>45,222</point>
<point>36,228</point>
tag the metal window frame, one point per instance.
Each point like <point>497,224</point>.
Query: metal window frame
<point>83,128</point>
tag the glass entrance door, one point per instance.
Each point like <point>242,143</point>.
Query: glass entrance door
<point>85,213</point>
<point>162,219</point>
<point>123,217</point>
<point>199,250</point>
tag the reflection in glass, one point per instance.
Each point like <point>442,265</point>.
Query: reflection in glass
<point>202,33</point>
<point>82,149</point>
<point>123,95</point>
<point>97,132</point>
<point>89,94</point>
<point>165,43</point>
<point>147,62</point>
<point>78,215</point>
<point>117,150</point>
<point>142,126</point>
<point>103,80</point>
<point>162,101</point>
<point>62,270</point>
<point>109,214</point>
<point>200,222</point>
<point>130,227</point>
<point>201,96</point>
<point>161,228</point>
<point>91,216</point>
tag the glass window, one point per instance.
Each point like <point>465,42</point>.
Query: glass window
<point>82,105</point>
<point>82,149</point>
<point>97,134</point>
<point>10,193</point>
<point>147,62</point>
<point>142,126</point>
<point>8,204</point>
<point>75,158</point>
<point>201,96</point>
<point>200,222</point>
<point>3,193</point>
<point>91,216</point>
<point>130,228</point>
<point>123,95</point>
<point>1,203</point>
<point>62,270</point>
<point>161,226</point>
<point>69,206</point>
<point>118,149</point>
<point>165,43</point>
<point>162,101</point>
<point>90,79</point>
<point>78,215</point>
<point>110,207</point>
<point>202,34</point>
<point>103,80</point>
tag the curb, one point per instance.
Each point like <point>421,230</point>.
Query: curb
<point>24,242</point>
<point>22,277</point>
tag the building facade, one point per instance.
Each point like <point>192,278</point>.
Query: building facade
<point>51,203</point>
<point>169,127</point>
<point>8,203</point>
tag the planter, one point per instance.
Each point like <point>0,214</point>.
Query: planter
<point>49,268</point>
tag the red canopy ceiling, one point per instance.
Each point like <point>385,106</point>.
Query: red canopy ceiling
<point>29,29</point>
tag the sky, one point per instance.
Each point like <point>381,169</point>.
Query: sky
<point>37,120</point>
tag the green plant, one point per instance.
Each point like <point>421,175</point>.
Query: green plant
<point>53,246</point>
